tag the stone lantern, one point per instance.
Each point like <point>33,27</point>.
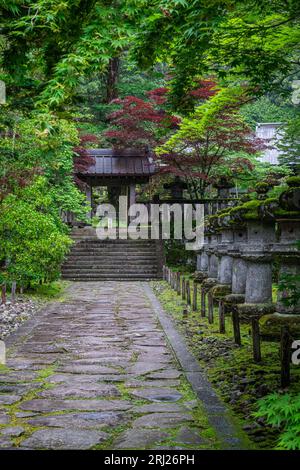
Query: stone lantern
<point>203,259</point>
<point>213,262</point>
<point>224,199</point>
<point>287,251</point>
<point>212,267</point>
<point>239,267</point>
<point>176,187</point>
<point>232,269</point>
<point>255,260</point>
<point>258,258</point>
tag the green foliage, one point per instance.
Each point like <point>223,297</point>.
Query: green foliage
<point>56,58</point>
<point>51,44</point>
<point>245,40</point>
<point>90,97</point>
<point>290,286</point>
<point>293,181</point>
<point>33,239</point>
<point>290,144</point>
<point>283,411</point>
<point>50,291</point>
<point>267,109</point>
<point>177,255</point>
<point>212,142</point>
<point>35,144</point>
<point>37,187</point>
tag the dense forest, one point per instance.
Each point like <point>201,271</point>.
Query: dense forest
<point>188,79</point>
<point>134,73</point>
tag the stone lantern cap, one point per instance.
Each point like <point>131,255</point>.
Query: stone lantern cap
<point>176,187</point>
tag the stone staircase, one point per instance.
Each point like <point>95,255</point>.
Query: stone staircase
<point>92,259</point>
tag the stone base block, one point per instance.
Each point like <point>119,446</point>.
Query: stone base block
<point>199,276</point>
<point>209,282</point>
<point>248,311</point>
<point>220,291</point>
<point>234,299</point>
<point>270,325</point>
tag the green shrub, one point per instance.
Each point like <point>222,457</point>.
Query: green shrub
<point>283,412</point>
<point>33,239</point>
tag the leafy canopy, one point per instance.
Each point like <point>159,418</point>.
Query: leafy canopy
<point>237,40</point>
<point>214,141</point>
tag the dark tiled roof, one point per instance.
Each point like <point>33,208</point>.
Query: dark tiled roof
<point>128,162</point>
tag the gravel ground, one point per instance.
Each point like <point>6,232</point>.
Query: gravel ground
<point>12,315</point>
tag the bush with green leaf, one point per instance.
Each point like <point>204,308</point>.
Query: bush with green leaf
<point>282,411</point>
<point>33,239</point>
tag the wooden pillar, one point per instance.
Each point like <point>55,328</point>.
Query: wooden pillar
<point>89,197</point>
<point>203,303</point>
<point>256,340</point>
<point>195,297</point>
<point>236,327</point>
<point>183,289</point>
<point>132,194</point>
<point>188,292</point>
<point>222,325</point>
<point>132,199</point>
<point>285,356</point>
<point>178,283</point>
<point>210,300</point>
<point>3,293</point>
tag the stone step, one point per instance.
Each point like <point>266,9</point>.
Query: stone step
<point>108,266</point>
<point>111,277</point>
<point>116,255</point>
<point>130,251</point>
<point>117,251</point>
<point>111,265</point>
<point>117,246</point>
<point>114,247</point>
<point>113,259</point>
<point>118,241</point>
<point>109,262</point>
<point>90,272</point>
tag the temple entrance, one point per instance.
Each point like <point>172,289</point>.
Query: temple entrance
<point>115,174</point>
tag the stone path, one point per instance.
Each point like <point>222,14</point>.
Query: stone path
<point>96,371</point>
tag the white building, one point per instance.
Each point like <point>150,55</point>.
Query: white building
<point>270,133</point>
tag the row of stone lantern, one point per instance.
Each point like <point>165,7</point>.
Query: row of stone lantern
<point>241,244</point>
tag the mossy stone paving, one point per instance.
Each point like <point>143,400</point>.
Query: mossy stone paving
<point>96,372</point>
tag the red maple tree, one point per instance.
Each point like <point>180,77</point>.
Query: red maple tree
<point>204,89</point>
<point>140,123</point>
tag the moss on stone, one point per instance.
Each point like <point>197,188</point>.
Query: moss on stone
<point>251,310</point>
<point>287,214</point>
<point>45,373</point>
<point>234,368</point>
<point>234,299</point>
<point>270,200</point>
<point>270,325</point>
<point>293,181</point>
<point>262,187</point>
<point>220,290</point>
<point>199,276</point>
<point>209,282</point>
<point>246,211</point>
<point>251,209</point>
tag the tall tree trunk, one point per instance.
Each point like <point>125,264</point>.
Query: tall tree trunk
<point>112,79</point>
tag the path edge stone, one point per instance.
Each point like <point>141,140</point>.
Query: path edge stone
<point>227,427</point>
